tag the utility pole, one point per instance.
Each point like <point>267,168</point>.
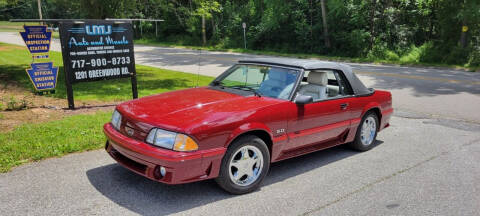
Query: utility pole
<point>39,3</point>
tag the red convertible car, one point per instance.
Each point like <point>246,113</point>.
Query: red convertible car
<point>258,112</point>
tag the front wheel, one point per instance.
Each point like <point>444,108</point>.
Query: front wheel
<point>244,165</point>
<point>366,133</point>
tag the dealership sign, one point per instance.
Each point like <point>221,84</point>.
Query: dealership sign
<point>43,75</point>
<point>95,50</point>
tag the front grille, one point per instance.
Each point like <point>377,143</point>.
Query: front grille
<point>129,163</point>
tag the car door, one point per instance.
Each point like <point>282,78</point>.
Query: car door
<point>324,122</point>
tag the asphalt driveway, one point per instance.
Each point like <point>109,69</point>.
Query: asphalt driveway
<point>420,166</point>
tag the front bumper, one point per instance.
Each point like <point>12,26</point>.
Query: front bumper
<point>146,160</point>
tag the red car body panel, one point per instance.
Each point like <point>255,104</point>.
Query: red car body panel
<point>215,118</point>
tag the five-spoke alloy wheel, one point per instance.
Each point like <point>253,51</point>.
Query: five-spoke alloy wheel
<point>244,165</point>
<point>366,132</point>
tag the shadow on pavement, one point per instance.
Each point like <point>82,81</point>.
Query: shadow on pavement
<point>147,197</point>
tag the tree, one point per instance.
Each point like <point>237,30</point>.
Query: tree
<point>205,10</point>
<point>325,27</point>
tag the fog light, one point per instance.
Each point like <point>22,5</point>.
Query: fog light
<point>159,172</point>
<point>163,171</point>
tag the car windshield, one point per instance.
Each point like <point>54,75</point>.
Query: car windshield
<point>267,81</point>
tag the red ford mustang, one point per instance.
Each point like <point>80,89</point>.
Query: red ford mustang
<point>258,112</point>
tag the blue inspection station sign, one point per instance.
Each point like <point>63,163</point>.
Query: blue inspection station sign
<point>37,39</point>
<point>43,76</point>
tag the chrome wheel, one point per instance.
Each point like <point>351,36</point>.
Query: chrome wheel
<point>369,128</point>
<point>246,165</point>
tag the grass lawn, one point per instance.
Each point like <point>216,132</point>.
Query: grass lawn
<point>33,142</point>
<point>6,26</point>
<point>15,59</point>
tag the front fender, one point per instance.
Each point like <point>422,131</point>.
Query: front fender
<point>245,128</point>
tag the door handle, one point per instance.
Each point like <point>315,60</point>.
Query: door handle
<point>343,106</point>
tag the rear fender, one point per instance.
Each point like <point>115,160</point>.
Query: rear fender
<point>356,122</point>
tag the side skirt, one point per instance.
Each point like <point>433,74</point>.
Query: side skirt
<point>340,139</point>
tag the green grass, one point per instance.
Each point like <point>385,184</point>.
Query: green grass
<point>15,59</point>
<point>6,26</point>
<point>33,142</point>
<point>409,60</point>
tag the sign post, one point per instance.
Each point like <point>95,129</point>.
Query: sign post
<point>244,26</point>
<point>95,50</point>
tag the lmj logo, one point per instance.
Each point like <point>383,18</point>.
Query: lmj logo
<point>98,29</point>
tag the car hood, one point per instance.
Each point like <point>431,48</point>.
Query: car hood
<point>183,110</point>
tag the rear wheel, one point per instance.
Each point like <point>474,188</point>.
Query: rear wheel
<point>244,165</point>
<point>366,133</point>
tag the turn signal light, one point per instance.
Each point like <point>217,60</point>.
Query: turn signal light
<point>184,143</point>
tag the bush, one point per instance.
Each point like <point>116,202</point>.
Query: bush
<point>351,44</point>
<point>457,55</point>
<point>380,51</point>
<point>413,54</point>
<point>377,52</point>
<point>474,58</point>
<point>391,56</point>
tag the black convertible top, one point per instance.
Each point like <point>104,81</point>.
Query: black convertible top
<point>310,64</point>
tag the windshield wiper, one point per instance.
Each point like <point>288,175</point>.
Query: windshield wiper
<point>255,92</point>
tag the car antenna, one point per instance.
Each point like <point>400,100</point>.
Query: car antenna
<point>198,69</point>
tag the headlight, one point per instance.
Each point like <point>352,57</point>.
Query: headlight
<point>116,120</point>
<point>171,140</point>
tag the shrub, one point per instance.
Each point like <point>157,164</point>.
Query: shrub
<point>13,104</point>
<point>457,55</point>
<point>413,54</point>
<point>391,56</point>
<point>380,52</point>
<point>474,58</point>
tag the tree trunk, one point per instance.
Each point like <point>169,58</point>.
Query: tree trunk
<point>311,26</point>
<point>39,4</point>
<point>204,34</point>
<point>214,29</point>
<point>372,23</point>
<point>325,27</point>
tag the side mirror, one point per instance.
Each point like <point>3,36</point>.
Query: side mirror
<point>303,99</point>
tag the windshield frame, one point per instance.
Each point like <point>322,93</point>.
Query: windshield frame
<point>230,70</point>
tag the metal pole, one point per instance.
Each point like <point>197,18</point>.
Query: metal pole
<point>244,39</point>
<point>156,30</point>
<point>244,25</point>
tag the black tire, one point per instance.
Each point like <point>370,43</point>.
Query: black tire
<point>224,180</point>
<point>357,144</point>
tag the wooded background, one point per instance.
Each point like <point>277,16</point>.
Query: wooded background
<point>409,30</point>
